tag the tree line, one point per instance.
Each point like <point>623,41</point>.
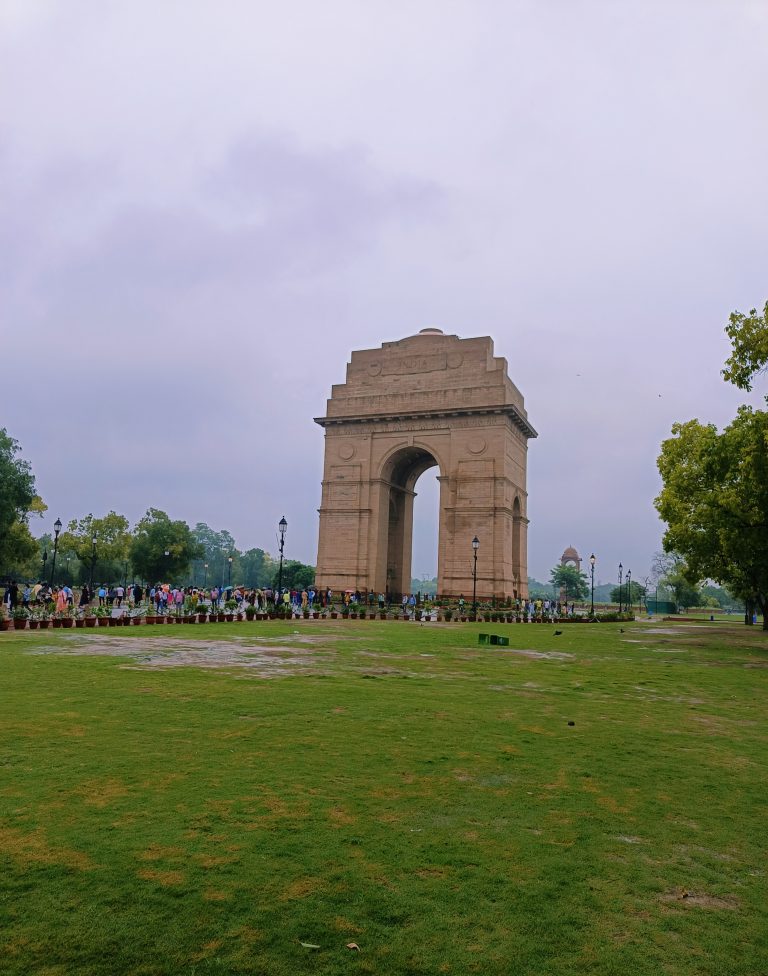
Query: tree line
<point>108,549</point>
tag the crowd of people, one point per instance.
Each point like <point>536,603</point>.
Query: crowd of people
<point>167,598</point>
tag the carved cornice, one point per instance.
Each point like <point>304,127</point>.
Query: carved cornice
<point>506,410</point>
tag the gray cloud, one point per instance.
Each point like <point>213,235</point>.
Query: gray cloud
<point>202,216</point>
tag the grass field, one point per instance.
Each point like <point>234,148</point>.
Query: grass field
<point>203,800</point>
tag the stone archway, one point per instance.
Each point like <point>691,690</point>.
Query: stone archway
<point>400,472</point>
<point>424,401</point>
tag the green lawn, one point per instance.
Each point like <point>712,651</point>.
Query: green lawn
<point>390,785</point>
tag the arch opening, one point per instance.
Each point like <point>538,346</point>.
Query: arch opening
<point>400,474</point>
<point>426,533</point>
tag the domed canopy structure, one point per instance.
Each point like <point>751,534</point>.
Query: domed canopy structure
<point>571,558</point>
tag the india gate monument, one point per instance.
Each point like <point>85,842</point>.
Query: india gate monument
<point>424,401</point>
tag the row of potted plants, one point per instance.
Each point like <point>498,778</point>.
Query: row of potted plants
<point>43,618</point>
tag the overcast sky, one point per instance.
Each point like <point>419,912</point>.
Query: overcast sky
<point>206,206</point>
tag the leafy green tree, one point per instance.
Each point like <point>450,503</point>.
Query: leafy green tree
<point>749,338</point>
<point>17,500</point>
<point>113,544</point>
<point>719,596</point>
<point>296,575</point>
<point>154,536</point>
<point>257,568</point>
<point>715,503</point>
<point>635,592</point>
<point>215,549</point>
<point>538,590</point>
<point>569,579</point>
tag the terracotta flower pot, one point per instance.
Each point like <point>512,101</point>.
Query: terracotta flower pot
<point>68,622</point>
<point>88,621</point>
<point>33,624</point>
<point>56,622</point>
<point>45,624</point>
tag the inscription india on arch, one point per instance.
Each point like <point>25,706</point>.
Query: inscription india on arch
<point>424,401</point>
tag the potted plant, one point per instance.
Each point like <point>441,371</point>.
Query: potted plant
<point>20,616</point>
<point>5,623</point>
<point>250,612</point>
<point>362,613</point>
<point>448,615</point>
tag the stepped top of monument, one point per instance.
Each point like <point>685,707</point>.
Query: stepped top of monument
<point>429,373</point>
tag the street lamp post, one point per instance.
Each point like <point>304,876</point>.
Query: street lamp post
<point>69,578</point>
<point>592,574</point>
<point>93,564</point>
<point>621,578</point>
<point>45,560</point>
<point>629,591</point>
<point>205,583</point>
<point>56,530</point>
<point>475,547</point>
<point>167,553</point>
<point>283,527</point>
<point>229,579</point>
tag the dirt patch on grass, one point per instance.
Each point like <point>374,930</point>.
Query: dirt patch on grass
<point>213,895</point>
<point>693,899</point>
<point>539,655</point>
<point>300,888</point>
<point>100,793</point>
<point>341,818</point>
<point>166,879</point>
<point>157,853</point>
<point>33,848</point>
<point>260,656</point>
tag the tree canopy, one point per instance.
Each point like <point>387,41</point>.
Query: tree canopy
<point>749,339</point>
<point>670,571</point>
<point>17,499</point>
<point>632,595</point>
<point>715,502</point>
<point>569,578</point>
<point>111,533</point>
<point>161,549</point>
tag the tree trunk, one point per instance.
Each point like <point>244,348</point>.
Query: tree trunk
<point>748,612</point>
<point>763,605</point>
